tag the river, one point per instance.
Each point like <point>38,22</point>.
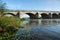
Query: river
<point>39,29</point>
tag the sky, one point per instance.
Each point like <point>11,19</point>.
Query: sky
<point>53,5</point>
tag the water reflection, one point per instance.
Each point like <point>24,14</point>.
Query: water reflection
<point>39,29</point>
<point>41,22</point>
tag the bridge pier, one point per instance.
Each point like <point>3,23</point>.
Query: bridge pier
<point>18,14</point>
<point>50,16</point>
<point>59,15</point>
<point>36,15</point>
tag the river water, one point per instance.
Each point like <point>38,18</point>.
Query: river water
<point>39,29</point>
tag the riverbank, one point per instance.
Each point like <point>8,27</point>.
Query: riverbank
<point>8,26</point>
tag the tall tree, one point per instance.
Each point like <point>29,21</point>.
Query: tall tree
<point>2,7</point>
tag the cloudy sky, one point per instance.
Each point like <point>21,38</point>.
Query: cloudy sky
<point>33,4</point>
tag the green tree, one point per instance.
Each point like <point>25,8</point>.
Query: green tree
<point>2,7</point>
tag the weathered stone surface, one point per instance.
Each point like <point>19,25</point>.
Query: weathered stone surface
<point>49,14</point>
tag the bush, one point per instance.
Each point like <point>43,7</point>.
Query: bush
<point>9,25</point>
<point>6,22</point>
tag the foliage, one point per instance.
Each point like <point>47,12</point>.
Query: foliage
<point>23,19</point>
<point>9,21</point>
<point>2,7</point>
<point>9,25</point>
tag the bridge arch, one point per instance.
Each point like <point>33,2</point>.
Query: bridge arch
<point>44,15</point>
<point>59,15</point>
<point>32,16</point>
<point>54,15</point>
<point>10,14</point>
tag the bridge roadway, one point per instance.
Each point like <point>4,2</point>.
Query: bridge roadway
<point>35,14</point>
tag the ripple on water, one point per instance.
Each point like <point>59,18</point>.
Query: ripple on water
<point>36,32</point>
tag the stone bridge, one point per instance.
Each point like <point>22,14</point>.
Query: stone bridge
<point>35,14</point>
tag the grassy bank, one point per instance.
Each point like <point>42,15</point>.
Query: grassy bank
<point>9,25</point>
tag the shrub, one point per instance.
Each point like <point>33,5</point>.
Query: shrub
<point>9,21</point>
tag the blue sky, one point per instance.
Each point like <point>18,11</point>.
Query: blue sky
<point>33,4</point>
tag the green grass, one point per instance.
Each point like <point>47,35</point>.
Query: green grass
<point>9,25</point>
